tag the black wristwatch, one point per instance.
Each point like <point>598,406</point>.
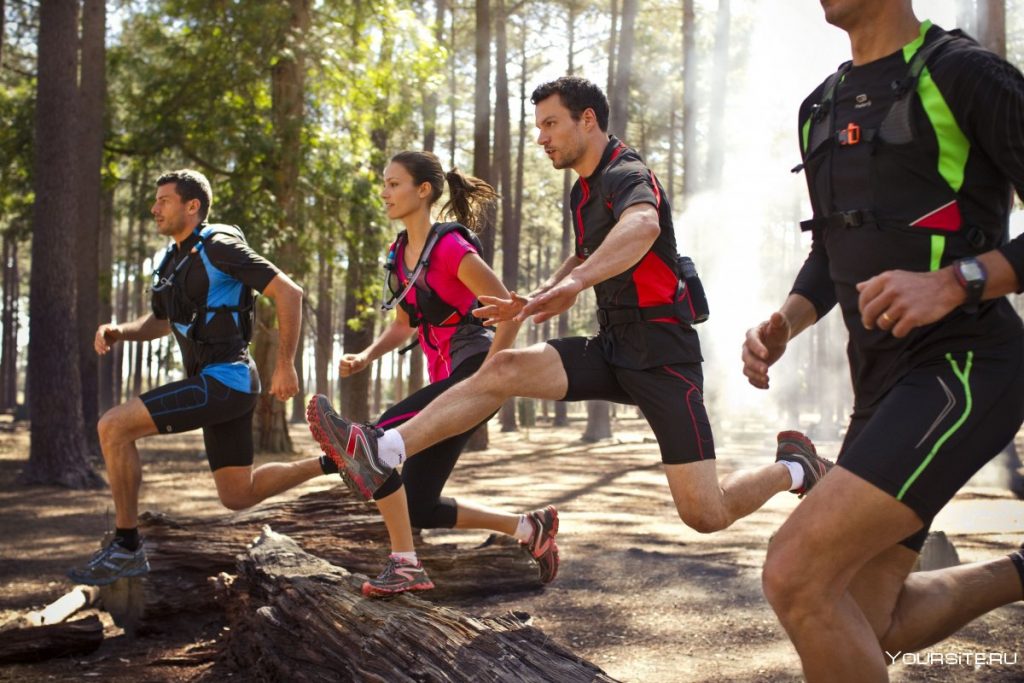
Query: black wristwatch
<point>972,276</point>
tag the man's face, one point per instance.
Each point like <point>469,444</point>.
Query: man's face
<point>561,137</point>
<point>170,212</point>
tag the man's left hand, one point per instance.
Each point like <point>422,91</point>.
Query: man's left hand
<point>900,300</point>
<point>557,299</point>
<point>285,383</point>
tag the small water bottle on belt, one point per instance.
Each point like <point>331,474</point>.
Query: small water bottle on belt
<point>698,299</point>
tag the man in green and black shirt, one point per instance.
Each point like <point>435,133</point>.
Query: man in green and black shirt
<point>912,152</point>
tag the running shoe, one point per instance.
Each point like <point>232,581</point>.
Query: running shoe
<point>795,447</point>
<point>398,577</point>
<point>110,563</point>
<point>352,446</point>
<point>542,544</point>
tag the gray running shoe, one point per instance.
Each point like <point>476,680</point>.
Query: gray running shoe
<point>795,447</point>
<point>542,546</point>
<point>398,577</point>
<point>110,563</point>
<point>352,446</point>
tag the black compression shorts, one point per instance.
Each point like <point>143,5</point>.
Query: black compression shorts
<point>225,416</point>
<point>938,426</point>
<point>670,396</point>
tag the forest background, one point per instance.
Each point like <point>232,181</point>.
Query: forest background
<point>292,108</point>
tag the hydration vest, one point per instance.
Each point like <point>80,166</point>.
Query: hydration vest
<point>430,308</point>
<point>925,202</point>
<point>198,315</point>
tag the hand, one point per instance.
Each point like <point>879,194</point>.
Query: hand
<point>285,383</point>
<point>764,345</point>
<point>555,300</point>
<point>351,363</point>
<point>900,300</point>
<point>106,335</point>
<point>497,310</point>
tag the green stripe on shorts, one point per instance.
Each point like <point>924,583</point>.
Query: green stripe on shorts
<point>964,377</point>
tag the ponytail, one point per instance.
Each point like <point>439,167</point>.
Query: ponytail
<point>468,199</point>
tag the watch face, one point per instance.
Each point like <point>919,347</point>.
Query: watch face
<point>971,271</point>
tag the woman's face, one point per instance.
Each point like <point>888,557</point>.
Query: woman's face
<point>401,195</point>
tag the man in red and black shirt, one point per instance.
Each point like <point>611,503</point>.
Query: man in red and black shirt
<point>646,352</point>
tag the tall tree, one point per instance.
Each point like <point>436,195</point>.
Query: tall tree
<point>12,294</point>
<point>716,117</point>
<point>992,25</point>
<point>58,454</point>
<point>618,119</point>
<point>689,180</point>
<point>92,94</point>
<point>503,172</point>
<point>482,119</point>
<point>288,88</point>
<point>106,296</point>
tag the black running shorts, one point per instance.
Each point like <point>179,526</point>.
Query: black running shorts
<point>670,396</point>
<point>225,415</point>
<point>938,426</point>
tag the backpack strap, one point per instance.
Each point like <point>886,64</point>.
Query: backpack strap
<point>896,126</point>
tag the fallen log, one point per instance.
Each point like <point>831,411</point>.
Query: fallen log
<point>330,524</point>
<point>37,643</point>
<point>297,617</point>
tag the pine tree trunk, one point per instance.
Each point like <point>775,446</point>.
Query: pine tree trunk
<point>716,116</point>
<point>689,179</point>
<point>299,400</point>
<point>618,120</point>
<point>599,424</point>
<point>324,358</point>
<point>107,375</point>
<point>482,121</point>
<point>503,171</point>
<point>9,356</point>
<point>92,95</point>
<point>58,454</point>
<point>992,25</point>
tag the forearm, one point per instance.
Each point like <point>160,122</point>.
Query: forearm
<point>567,267</point>
<point>394,336</point>
<point>504,336</point>
<point>146,328</point>
<point>627,243</point>
<point>799,312</point>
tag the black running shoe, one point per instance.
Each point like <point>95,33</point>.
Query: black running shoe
<point>795,447</point>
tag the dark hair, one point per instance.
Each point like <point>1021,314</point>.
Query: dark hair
<point>190,185</point>
<point>468,196</point>
<point>578,95</point>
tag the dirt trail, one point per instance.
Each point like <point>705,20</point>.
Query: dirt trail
<point>638,593</point>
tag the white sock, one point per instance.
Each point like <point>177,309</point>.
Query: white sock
<point>796,472</point>
<point>524,530</point>
<point>407,558</point>
<point>391,448</point>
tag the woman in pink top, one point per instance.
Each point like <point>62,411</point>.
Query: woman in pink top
<point>435,276</point>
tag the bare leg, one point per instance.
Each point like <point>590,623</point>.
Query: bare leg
<point>394,509</point>
<point>118,429</point>
<point>474,516</point>
<point>706,505</point>
<point>534,372</point>
<point>242,487</point>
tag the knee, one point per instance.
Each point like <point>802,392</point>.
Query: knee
<point>236,500</point>
<point>501,371</point>
<point>789,584</point>
<point>703,520</point>
<point>109,428</point>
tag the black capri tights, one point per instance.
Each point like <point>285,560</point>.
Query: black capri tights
<point>425,475</point>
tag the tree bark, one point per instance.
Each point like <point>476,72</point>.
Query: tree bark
<point>39,643</point>
<point>92,95</point>
<point>58,454</point>
<point>689,179</point>
<point>9,356</point>
<point>716,116</point>
<point>992,25</point>
<point>618,121</point>
<point>350,638</point>
<point>299,400</point>
<point>482,121</point>
<point>599,425</point>
<point>107,373</point>
<point>324,357</point>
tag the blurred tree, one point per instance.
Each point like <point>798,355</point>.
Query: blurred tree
<point>58,452</point>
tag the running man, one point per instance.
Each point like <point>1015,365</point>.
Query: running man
<point>911,153</point>
<point>202,292</point>
<point>646,353</point>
